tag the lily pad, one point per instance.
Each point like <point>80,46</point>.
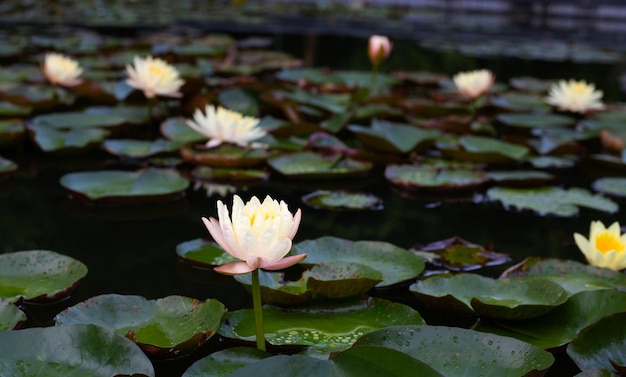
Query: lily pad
<point>49,139</point>
<point>521,177</point>
<point>457,254</point>
<point>561,325</point>
<point>239,100</point>
<point>326,327</point>
<point>10,316</point>
<point>11,131</point>
<point>323,281</point>
<point>364,361</point>
<point>601,345</point>
<point>389,137</point>
<point>132,148</point>
<point>460,352</point>
<point>164,328</point>
<point>8,109</point>
<point>82,350</point>
<point>572,276</point>
<point>535,120</point>
<point>125,187</point>
<point>219,174</point>
<point>483,149</point>
<point>343,201</point>
<point>38,275</point>
<point>225,156</point>
<point>513,299</point>
<point>7,167</point>
<point>434,178</point>
<point>225,362</point>
<point>79,120</point>
<point>397,265</point>
<point>554,201</point>
<point>313,165</point>
<point>552,162</point>
<point>615,186</point>
<point>177,130</point>
<point>520,102</point>
<point>203,253</point>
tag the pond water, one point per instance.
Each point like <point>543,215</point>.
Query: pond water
<point>132,249</point>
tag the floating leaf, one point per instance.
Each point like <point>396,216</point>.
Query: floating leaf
<point>520,102</point>
<point>460,352</point>
<point>239,100</point>
<point>164,328</point>
<point>86,350</point>
<point>10,316</point>
<point>457,254</point>
<point>551,200</point>
<point>139,148</point>
<point>176,129</point>
<point>391,137</point>
<point>397,265</point>
<point>434,178</point>
<point>325,327</point>
<point>482,149</point>
<point>225,362</point>
<point>615,186</point>
<point>514,299</point>
<point>550,162</point>
<point>49,139</point>
<point>38,275</point>
<point>561,325</point>
<point>79,120</point>
<point>343,201</point>
<point>573,276</point>
<point>521,177</point>
<point>124,187</point>
<point>218,174</point>
<point>535,120</point>
<point>225,156</point>
<point>319,166</point>
<point>7,167</point>
<point>203,253</point>
<point>8,109</point>
<point>11,132</point>
<point>601,345</point>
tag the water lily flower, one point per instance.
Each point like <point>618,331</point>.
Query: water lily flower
<point>575,96</point>
<point>473,84</point>
<point>221,125</point>
<point>606,247</point>
<point>154,77</point>
<point>379,48</point>
<point>259,234</point>
<point>61,70</point>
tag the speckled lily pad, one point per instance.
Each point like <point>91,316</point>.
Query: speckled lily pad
<point>319,166</point>
<point>343,201</point>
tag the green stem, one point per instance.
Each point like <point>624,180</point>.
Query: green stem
<point>258,310</point>
<point>374,75</point>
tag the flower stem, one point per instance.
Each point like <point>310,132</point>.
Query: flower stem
<point>258,310</point>
<point>374,76</point>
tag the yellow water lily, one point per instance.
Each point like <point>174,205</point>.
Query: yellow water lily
<point>61,70</point>
<point>259,234</point>
<point>575,96</point>
<point>606,247</point>
<point>221,125</point>
<point>155,77</point>
<point>473,84</point>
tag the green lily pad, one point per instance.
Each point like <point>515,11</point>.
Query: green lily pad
<point>552,162</point>
<point>49,139</point>
<point>8,109</point>
<point>125,187</point>
<point>364,361</point>
<point>615,186</point>
<point>483,149</point>
<point>460,352</point>
<point>314,165</point>
<point>457,254</point>
<point>521,177</point>
<point>323,281</point>
<point>397,265</point>
<point>519,102</point>
<point>7,167</point>
<point>513,299</point>
<point>535,120</point>
<point>38,275</point>
<point>572,276</point>
<point>39,97</point>
<point>225,156</point>
<point>219,174</point>
<point>239,100</point>
<point>434,178</point>
<point>343,201</point>
<point>250,62</point>
<point>10,316</point>
<point>11,131</point>
<point>82,350</point>
<point>388,137</point>
<point>79,120</point>
<point>139,148</point>
<point>333,103</point>
<point>601,345</point>
<point>164,328</point>
<point>203,253</point>
<point>176,129</point>
<point>225,362</point>
<point>554,201</point>
<point>561,325</point>
<point>559,140</point>
<point>325,327</point>
<point>598,373</point>
<point>530,84</point>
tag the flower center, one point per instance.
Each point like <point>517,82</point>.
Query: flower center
<point>157,71</point>
<point>606,242</point>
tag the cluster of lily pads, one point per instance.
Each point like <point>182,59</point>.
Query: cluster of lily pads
<point>328,314</point>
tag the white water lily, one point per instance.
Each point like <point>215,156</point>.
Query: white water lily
<point>259,234</point>
<point>606,247</point>
<point>155,77</point>
<point>221,125</point>
<point>61,70</point>
<point>473,84</point>
<point>379,48</point>
<point>575,96</point>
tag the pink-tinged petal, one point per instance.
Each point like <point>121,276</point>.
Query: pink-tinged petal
<point>213,226</point>
<point>296,223</point>
<point>230,235</point>
<point>285,262</point>
<point>234,268</point>
<point>213,143</point>
<point>254,262</point>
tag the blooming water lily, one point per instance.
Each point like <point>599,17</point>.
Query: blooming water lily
<point>473,84</point>
<point>224,125</point>
<point>575,96</point>
<point>154,77</point>
<point>606,247</point>
<point>61,70</point>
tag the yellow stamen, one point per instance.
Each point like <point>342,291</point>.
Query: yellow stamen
<point>606,242</point>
